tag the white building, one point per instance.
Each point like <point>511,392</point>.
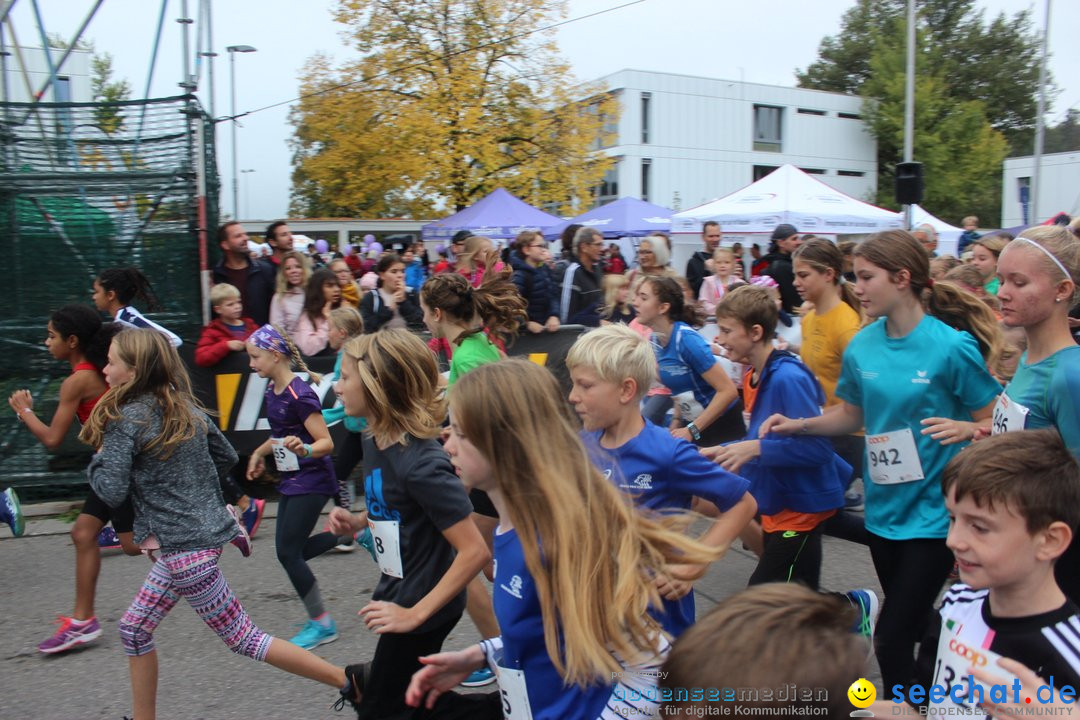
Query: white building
<point>1059,187</point>
<point>682,141</point>
<point>72,78</point>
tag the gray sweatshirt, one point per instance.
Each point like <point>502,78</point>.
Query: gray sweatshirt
<point>177,499</point>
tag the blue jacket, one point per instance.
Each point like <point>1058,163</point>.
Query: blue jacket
<point>415,274</point>
<point>794,472</point>
<point>537,287</point>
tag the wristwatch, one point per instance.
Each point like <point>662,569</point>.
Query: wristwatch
<point>694,432</point>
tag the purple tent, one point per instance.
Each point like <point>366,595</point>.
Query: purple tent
<point>498,215</point>
<point>625,217</point>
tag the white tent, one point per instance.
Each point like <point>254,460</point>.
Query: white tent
<point>788,195</point>
<point>948,235</point>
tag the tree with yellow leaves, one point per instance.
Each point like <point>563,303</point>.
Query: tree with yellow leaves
<point>449,100</point>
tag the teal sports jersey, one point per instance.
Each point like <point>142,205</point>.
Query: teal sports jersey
<point>933,371</point>
<point>1049,391</point>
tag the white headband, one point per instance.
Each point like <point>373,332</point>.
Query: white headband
<point>1047,253</point>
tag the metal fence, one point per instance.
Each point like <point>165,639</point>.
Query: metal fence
<point>84,187</point>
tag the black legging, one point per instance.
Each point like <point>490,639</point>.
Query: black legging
<point>297,515</point>
<point>911,573</point>
<point>350,451</point>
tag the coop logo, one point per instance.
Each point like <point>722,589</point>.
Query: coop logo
<point>976,658</point>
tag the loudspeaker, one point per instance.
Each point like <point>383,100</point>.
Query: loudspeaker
<point>909,183</point>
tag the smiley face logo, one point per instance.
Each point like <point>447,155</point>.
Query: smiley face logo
<point>862,693</point>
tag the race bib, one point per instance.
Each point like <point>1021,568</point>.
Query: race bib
<point>514,694</point>
<point>892,457</point>
<point>1009,415</point>
<point>285,460</point>
<point>689,407</point>
<point>955,659</point>
<point>386,536</point>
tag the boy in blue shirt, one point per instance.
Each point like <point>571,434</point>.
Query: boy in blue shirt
<point>611,369</point>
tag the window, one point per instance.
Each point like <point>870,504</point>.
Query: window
<point>646,99</point>
<point>849,116</point>
<point>608,189</point>
<point>767,128</point>
<point>850,173</point>
<point>808,111</point>
<point>761,171</point>
<point>646,172</point>
<point>813,171</point>
<point>609,132</point>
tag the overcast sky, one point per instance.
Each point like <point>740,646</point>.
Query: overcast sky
<point>763,41</point>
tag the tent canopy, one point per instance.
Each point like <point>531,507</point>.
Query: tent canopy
<point>948,235</point>
<point>497,215</point>
<point>788,195</point>
<point>625,217</point>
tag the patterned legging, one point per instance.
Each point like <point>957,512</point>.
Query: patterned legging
<point>195,576</point>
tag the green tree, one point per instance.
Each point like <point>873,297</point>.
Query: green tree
<point>448,100</point>
<point>1064,137</point>
<point>102,85</point>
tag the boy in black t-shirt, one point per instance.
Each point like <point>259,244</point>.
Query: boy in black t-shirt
<point>1014,505</point>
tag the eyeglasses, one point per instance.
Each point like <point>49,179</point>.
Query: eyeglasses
<point>597,243</point>
<point>540,245</point>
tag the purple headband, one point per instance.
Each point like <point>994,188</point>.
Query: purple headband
<point>764,281</point>
<point>267,338</point>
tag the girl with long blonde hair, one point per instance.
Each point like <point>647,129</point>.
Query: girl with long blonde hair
<point>478,258</point>
<point>289,289</point>
<point>418,512</point>
<point>157,446</point>
<point>574,580</point>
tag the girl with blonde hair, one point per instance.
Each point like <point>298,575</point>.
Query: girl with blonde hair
<point>984,255</point>
<point>617,307</point>
<point>157,446</point>
<point>573,581</point>
<point>907,365</point>
<point>419,514</point>
<point>478,258</point>
<point>301,447</point>
<point>288,301</point>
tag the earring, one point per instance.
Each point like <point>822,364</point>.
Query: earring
<point>1057,300</point>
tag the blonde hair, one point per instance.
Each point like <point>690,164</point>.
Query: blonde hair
<point>295,358</point>
<point>941,265</point>
<point>477,251</point>
<point>348,320</point>
<point>401,385</point>
<point>596,578</point>
<point>615,352</point>
<point>221,292</point>
<point>993,243</point>
<point>157,371</point>
<point>721,252</point>
<point>612,284</point>
<point>896,250</point>
<point>970,219</point>
<point>281,285</point>
<point>1062,244</point>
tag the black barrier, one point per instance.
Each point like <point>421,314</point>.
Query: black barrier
<point>236,394</point>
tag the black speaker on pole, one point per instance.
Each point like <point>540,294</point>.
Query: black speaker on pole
<point>909,183</point>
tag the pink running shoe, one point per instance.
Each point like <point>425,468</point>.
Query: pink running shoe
<point>253,515</point>
<point>69,635</point>
<point>242,540</point>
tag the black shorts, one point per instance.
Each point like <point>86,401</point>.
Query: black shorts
<point>122,518</point>
<point>482,505</point>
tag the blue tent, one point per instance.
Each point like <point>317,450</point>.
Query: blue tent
<point>497,215</point>
<point>625,217</point>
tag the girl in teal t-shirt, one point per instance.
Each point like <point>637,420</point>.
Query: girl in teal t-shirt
<point>908,378</point>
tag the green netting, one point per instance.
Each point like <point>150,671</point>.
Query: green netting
<point>84,187</point>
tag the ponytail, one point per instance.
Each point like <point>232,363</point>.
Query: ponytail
<point>295,357</point>
<point>128,283</point>
<point>822,256</point>
<point>962,310</point>
<point>496,301</point>
<point>669,291</point>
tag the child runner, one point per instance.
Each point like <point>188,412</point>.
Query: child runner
<point>114,290</point>
<point>427,545</point>
<point>709,409</point>
<point>905,366</point>
<point>572,601</point>
<point>798,482</point>
<point>714,286</point>
<point>611,368</point>
<point>301,447</point>
<point>157,447</point>
<point>1014,506</point>
<point>77,335</point>
<point>11,512</point>
<point>826,331</point>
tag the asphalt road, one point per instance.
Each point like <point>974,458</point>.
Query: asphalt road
<point>200,678</point>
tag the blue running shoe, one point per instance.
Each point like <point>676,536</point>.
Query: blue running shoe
<point>314,634</point>
<point>106,539</point>
<point>253,515</point>
<point>479,678</point>
<point>866,602</point>
<point>364,540</point>
<point>11,512</point>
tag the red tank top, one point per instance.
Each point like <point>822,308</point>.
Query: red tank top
<point>83,411</point>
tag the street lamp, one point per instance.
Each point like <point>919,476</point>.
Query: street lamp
<point>232,50</point>
<point>247,205</point>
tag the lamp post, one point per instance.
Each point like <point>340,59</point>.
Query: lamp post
<point>247,205</point>
<point>232,50</point>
